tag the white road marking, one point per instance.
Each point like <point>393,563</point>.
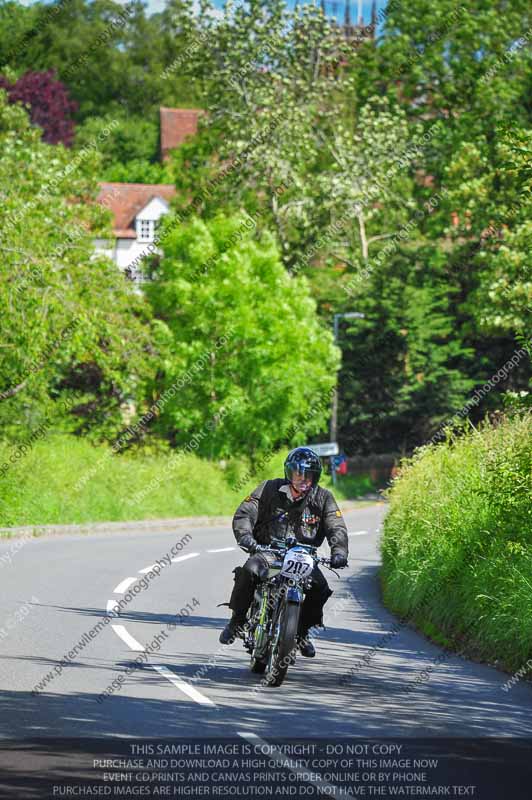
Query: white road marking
<point>125,584</point>
<point>357,533</point>
<point>112,607</point>
<point>184,558</point>
<point>184,687</point>
<point>132,643</point>
<point>128,639</point>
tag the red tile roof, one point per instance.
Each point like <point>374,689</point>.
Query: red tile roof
<point>125,200</point>
<point>176,125</point>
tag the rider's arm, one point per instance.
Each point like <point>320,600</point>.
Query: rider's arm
<point>334,526</point>
<point>247,513</point>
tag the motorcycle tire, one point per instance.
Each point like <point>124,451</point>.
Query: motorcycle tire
<point>257,666</point>
<point>280,659</point>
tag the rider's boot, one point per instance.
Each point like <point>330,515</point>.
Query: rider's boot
<point>306,648</point>
<point>233,628</point>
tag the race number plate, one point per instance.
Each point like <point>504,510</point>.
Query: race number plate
<point>297,564</point>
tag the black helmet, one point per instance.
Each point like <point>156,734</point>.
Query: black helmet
<point>305,461</point>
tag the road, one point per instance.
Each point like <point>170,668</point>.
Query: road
<point>56,589</point>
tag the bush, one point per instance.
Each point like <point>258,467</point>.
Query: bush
<point>457,556</point>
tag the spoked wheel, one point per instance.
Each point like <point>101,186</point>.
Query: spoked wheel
<point>284,647</point>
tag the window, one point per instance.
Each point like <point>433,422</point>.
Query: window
<point>145,230</point>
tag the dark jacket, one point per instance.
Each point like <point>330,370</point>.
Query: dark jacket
<point>268,512</point>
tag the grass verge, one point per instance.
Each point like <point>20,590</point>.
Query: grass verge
<point>64,479</point>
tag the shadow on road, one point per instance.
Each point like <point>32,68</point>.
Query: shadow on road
<point>460,698</point>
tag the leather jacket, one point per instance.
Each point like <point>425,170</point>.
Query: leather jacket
<point>270,512</point>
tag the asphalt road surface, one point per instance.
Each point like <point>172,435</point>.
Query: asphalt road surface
<point>179,682</point>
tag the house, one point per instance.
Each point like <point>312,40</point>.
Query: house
<point>138,207</point>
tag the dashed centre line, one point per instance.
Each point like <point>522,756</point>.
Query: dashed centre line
<point>185,687</point>
<point>128,639</point>
<point>124,585</point>
<point>136,646</point>
<point>184,558</point>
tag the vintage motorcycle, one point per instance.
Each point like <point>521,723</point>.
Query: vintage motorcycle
<point>273,617</point>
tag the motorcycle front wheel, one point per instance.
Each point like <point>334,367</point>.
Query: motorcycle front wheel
<point>257,666</point>
<point>284,648</point>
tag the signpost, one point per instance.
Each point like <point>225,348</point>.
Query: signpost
<point>325,448</point>
<point>334,408</point>
<point>330,449</point>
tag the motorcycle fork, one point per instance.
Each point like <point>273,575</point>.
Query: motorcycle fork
<point>264,607</point>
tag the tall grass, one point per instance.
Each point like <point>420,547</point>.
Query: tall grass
<point>457,543</point>
<point>64,479</point>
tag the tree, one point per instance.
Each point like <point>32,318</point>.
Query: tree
<point>71,324</point>
<point>132,139</point>
<point>269,79</point>
<point>112,56</point>
<point>48,102</point>
<point>248,357</point>
<point>405,366</point>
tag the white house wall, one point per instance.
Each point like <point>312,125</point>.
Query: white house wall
<point>127,251</point>
<point>153,210</point>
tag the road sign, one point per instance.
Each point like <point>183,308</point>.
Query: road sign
<point>325,448</point>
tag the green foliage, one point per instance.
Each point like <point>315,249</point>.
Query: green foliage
<point>132,138</point>
<point>404,366</point>
<point>70,322</point>
<point>395,176</point>
<point>112,56</point>
<point>452,59</point>
<point>131,153</point>
<point>245,350</point>
<point>66,480</point>
<point>137,171</point>
<point>272,87</point>
<point>457,542</point>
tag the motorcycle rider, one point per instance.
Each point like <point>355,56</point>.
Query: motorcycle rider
<point>293,506</point>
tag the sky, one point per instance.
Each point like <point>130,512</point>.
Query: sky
<point>333,7</point>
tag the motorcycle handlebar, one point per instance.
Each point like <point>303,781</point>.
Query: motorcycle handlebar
<point>264,547</point>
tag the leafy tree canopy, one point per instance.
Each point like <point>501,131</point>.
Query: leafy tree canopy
<point>75,327</point>
<point>248,356</point>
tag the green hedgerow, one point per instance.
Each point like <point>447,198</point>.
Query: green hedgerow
<point>457,543</point>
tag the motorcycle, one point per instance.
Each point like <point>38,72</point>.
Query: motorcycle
<point>273,617</point>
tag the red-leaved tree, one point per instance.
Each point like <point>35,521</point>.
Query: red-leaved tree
<point>49,104</point>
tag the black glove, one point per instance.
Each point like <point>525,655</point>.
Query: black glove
<point>247,542</point>
<point>338,560</point>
